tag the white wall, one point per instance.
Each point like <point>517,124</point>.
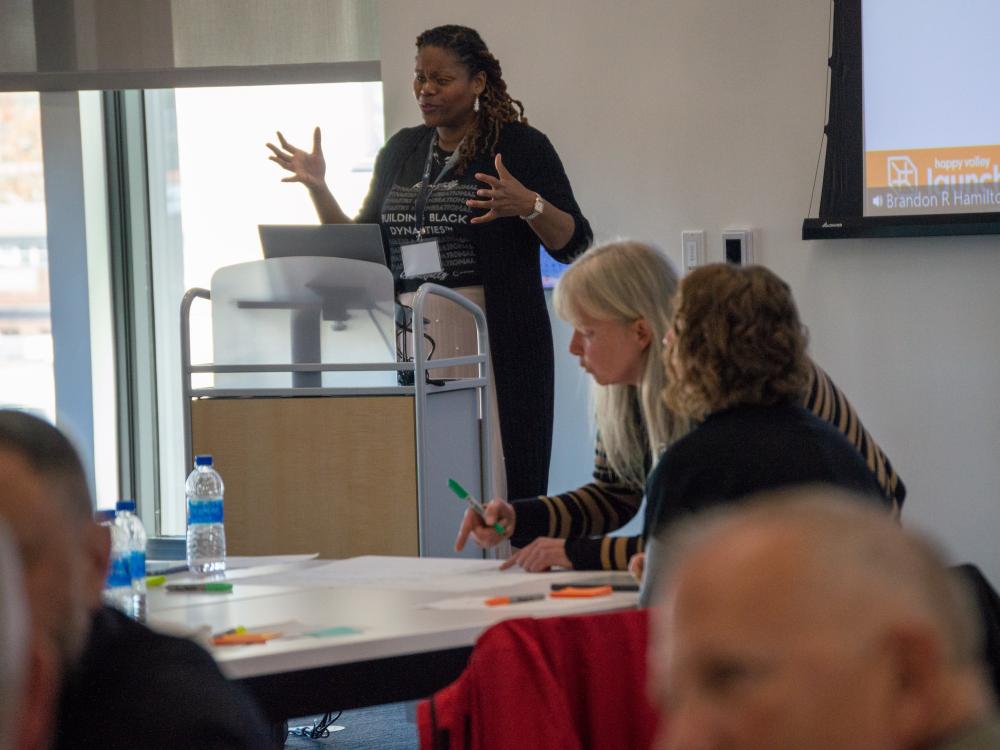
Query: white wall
<point>708,115</point>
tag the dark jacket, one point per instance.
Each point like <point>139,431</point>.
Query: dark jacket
<point>507,252</point>
<point>747,449</point>
<point>135,688</point>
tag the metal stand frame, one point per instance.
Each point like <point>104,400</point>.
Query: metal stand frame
<point>422,391</point>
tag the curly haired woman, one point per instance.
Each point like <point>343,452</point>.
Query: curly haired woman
<point>736,364</point>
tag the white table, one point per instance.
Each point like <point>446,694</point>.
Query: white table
<point>416,621</point>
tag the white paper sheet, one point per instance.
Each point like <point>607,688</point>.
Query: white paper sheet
<point>447,575</point>
<point>238,563</point>
<point>260,566</point>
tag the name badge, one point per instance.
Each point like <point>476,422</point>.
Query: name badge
<point>421,258</point>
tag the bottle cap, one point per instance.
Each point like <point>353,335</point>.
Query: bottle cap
<point>205,460</point>
<point>125,505</point>
<point>102,516</point>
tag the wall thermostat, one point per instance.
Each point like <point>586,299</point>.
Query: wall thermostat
<point>737,246</point>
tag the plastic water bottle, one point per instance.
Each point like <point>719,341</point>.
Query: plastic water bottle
<point>135,533</point>
<point>206,536</point>
<point>118,585</point>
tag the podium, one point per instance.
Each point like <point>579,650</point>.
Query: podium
<point>319,446</point>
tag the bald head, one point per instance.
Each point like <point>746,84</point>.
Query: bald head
<point>844,558</point>
<point>809,619</point>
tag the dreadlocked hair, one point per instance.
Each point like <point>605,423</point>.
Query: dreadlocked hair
<point>496,107</point>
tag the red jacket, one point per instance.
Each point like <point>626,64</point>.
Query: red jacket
<point>560,682</point>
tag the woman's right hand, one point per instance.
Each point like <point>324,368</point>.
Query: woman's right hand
<point>309,168</point>
<point>482,529</point>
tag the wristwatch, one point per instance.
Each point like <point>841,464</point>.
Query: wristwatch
<point>536,209</point>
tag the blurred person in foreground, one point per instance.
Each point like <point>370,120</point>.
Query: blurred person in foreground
<point>807,619</point>
<point>123,684</point>
<point>27,660</point>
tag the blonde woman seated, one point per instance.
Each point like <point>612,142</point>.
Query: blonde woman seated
<point>736,362</point>
<point>618,299</point>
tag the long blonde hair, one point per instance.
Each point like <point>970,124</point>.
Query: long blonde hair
<point>625,281</point>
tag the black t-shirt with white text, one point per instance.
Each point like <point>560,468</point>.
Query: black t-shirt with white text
<point>446,219</point>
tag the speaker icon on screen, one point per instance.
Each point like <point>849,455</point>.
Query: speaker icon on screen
<point>877,201</point>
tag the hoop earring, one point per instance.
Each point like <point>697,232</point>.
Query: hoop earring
<point>475,104</point>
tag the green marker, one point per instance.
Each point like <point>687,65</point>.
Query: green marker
<point>218,587</point>
<point>474,504</point>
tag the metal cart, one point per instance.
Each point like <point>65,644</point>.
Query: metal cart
<point>289,489</point>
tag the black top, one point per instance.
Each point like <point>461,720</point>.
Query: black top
<point>608,502</point>
<point>506,260</point>
<point>747,449</point>
<point>134,688</point>
<point>445,218</point>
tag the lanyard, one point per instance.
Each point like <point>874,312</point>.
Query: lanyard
<point>425,181</point>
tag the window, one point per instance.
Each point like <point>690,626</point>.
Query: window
<point>210,185</point>
<point>26,373</point>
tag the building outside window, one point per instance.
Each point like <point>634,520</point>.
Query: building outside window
<point>26,372</point>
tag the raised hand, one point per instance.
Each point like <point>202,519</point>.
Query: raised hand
<point>504,195</point>
<point>306,167</point>
<point>542,554</point>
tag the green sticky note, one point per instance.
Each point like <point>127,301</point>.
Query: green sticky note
<point>328,632</point>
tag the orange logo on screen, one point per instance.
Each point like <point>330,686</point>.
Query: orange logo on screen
<point>901,172</point>
<point>933,167</point>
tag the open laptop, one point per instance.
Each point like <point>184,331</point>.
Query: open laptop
<point>355,241</point>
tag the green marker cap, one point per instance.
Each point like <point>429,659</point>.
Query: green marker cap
<point>463,495</point>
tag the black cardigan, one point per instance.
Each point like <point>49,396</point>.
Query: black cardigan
<point>135,688</point>
<point>748,449</point>
<point>507,252</point>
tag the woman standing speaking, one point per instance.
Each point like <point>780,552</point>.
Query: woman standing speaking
<point>464,200</point>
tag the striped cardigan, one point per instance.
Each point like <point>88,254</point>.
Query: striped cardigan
<point>586,515</point>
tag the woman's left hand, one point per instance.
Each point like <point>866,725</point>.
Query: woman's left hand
<point>504,196</point>
<point>540,555</point>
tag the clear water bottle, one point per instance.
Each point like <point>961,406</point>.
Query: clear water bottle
<point>118,585</point>
<point>127,520</point>
<point>206,536</point>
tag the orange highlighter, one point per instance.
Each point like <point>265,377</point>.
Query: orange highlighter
<point>571,592</point>
<point>245,638</point>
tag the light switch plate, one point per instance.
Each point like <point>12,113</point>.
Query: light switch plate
<point>692,248</point>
